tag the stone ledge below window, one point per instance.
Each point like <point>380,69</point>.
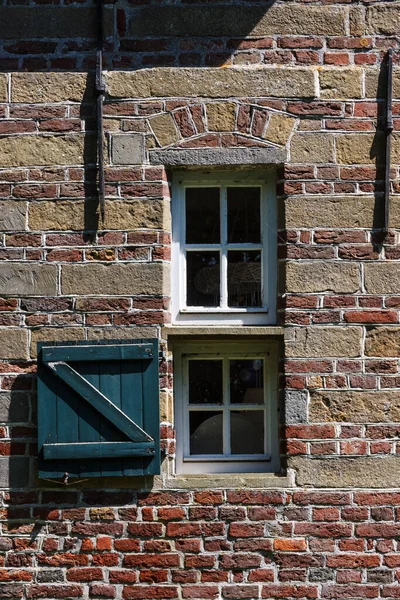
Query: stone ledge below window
<point>225,481</point>
<point>186,157</point>
<point>222,331</point>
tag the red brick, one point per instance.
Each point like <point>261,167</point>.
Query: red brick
<point>85,575</point>
<point>149,592</point>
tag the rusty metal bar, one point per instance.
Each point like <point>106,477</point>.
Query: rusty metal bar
<point>388,134</point>
<point>100,91</point>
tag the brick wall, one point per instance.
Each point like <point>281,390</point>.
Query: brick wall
<point>305,80</point>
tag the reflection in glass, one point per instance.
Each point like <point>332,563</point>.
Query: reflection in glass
<point>247,432</point>
<point>246,381</point>
<point>205,382</point>
<point>202,216</point>
<point>244,215</point>
<point>203,279</point>
<point>205,432</point>
<point>244,278</point>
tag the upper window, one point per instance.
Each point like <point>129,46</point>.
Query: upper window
<point>224,249</point>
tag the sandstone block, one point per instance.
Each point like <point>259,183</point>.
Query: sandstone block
<point>76,215</point>
<point>330,212</point>
<point>14,406</point>
<point>29,150</point>
<point>128,149</point>
<point>121,333</point>
<point>383,18</point>
<point>311,148</point>
<point>24,279</point>
<point>117,278</point>
<point>279,128</point>
<point>295,407</point>
<point>12,215</point>
<point>14,343</point>
<point>382,278</point>
<point>238,82</point>
<point>40,22</point>
<point>355,406</point>
<point>50,87</point>
<point>361,149</point>
<point>55,334</point>
<point>164,129</point>
<point>357,20</point>
<point>321,276</point>
<point>3,88</point>
<point>360,472</point>
<point>383,341</point>
<point>221,116</point>
<point>340,83</point>
<point>218,156</point>
<point>325,341</point>
<point>231,20</point>
<point>375,85</point>
<point>14,473</point>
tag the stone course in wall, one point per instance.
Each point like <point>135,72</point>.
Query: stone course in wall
<point>304,84</point>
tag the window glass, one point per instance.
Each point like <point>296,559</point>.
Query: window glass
<point>244,215</point>
<point>244,278</point>
<point>203,278</point>
<point>202,215</point>
<point>205,382</point>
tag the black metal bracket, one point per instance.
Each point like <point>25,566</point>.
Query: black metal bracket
<point>388,134</point>
<point>100,92</point>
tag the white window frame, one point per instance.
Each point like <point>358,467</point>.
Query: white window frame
<point>268,352</point>
<point>265,315</point>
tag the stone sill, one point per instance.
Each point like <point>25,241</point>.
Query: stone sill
<point>227,330</point>
<point>225,481</point>
<point>192,157</point>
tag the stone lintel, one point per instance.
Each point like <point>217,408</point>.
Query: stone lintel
<point>217,156</point>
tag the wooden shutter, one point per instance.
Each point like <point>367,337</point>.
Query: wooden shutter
<point>98,408</point>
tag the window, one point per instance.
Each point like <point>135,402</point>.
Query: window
<point>226,410</point>
<point>224,249</point>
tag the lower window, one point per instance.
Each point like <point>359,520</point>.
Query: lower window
<point>226,407</point>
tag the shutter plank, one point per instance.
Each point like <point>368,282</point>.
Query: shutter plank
<point>89,418</point>
<point>132,405</point>
<point>95,353</point>
<point>98,450</point>
<point>110,386</point>
<point>151,408</point>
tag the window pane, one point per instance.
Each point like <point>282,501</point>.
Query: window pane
<point>206,432</point>
<point>244,215</point>
<point>205,382</point>
<point>244,278</point>
<point>247,432</point>
<point>203,278</point>
<point>246,381</point>
<point>202,216</point>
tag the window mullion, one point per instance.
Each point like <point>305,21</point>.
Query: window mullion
<point>224,252</point>
<point>226,417</point>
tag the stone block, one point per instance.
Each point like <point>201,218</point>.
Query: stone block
<point>29,150</point>
<point>164,129</point>
<point>355,406</point>
<point>117,278</point>
<point>360,472</point>
<point>127,149</point>
<point>383,341</point>
<point>330,212</point>
<point>383,18</point>
<point>340,84</point>
<point>39,22</point>
<point>13,343</point>
<point>3,88</point>
<point>121,333</point>
<point>14,471</point>
<point>36,88</point>
<point>14,407</point>
<point>279,128</point>
<point>364,149</point>
<point>325,341</point>
<point>375,84</point>
<point>160,82</point>
<point>382,278</point>
<point>311,148</point>
<point>77,215</point>
<point>320,276</point>
<point>230,20</point>
<point>218,156</point>
<point>25,279</point>
<point>12,215</point>
<point>221,116</point>
<point>357,20</point>
<point>295,407</point>
<point>55,334</point>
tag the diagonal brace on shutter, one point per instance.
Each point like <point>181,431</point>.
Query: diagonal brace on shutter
<point>100,402</point>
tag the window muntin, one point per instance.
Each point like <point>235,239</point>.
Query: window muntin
<point>225,397</point>
<point>224,249</point>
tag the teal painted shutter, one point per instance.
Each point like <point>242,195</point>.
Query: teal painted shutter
<point>98,408</point>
